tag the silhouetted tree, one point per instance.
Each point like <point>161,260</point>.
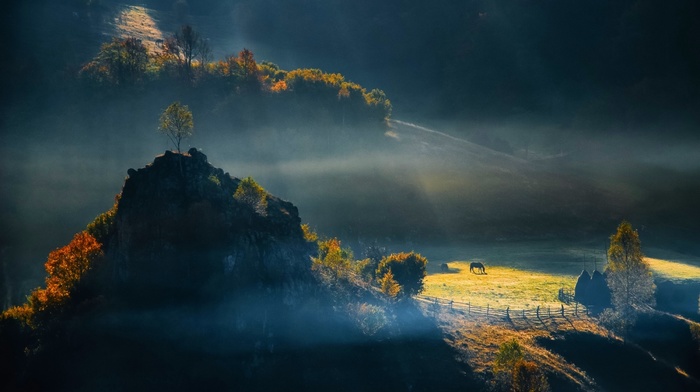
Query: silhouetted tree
<point>186,46</point>
<point>628,275</point>
<point>177,123</point>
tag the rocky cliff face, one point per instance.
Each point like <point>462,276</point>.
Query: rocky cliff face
<point>178,230</point>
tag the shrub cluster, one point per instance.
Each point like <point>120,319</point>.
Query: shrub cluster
<point>252,195</point>
<point>514,373</point>
<point>407,270</point>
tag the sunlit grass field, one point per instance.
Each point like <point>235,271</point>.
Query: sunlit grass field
<point>500,287</point>
<point>673,270</point>
<point>523,278</point>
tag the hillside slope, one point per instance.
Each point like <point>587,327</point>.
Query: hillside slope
<point>198,287</point>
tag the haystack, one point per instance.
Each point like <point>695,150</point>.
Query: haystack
<point>581,289</point>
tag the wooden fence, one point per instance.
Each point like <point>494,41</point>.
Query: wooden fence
<point>540,312</point>
<point>566,296</point>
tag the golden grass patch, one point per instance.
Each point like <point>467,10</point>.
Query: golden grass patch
<point>477,341</point>
<point>500,287</point>
<point>673,270</point>
<point>139,22</point>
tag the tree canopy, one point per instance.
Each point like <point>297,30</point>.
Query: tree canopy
<point>122,62</point>
<point>176,123</point>
<point>408,270</point>
<point>185,56</point>
<point>628,275</point>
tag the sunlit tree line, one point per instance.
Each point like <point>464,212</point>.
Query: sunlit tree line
<point>397,275</point>
<point>66,268</point>
<point>185,57</point>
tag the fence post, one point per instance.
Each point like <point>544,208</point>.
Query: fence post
<point>451,302</point>
<point>538,311</point>
<point>508,313</point>
<point>562,310</point>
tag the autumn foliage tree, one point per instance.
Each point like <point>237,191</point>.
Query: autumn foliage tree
<point>241,73</point>
<point>349,98</point>
<point>252,194</point>
<point>186,56</point>
<point>333,257</point>
<point>122,62</point>
<point>514,373</point>
<point>628,275</point>
<point>407,269</point>
<point>177,123</point>
<point>249,74</point>
<point>66,268</point>
<point>389,286</point>
<point>509,353</point>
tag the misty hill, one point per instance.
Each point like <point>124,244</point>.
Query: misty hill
<point>195,282</point>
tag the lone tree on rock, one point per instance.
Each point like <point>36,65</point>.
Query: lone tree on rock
<point>628,276</point>
<point>176,123</point>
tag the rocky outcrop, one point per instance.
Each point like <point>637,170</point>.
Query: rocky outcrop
<point>179,231</point>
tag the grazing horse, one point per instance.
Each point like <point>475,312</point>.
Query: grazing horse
<point>478,267</point>
<point>444,267</point>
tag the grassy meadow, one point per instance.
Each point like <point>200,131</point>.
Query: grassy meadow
<point>674,271</point>
<point>500,287</point>
<point>524,276</point>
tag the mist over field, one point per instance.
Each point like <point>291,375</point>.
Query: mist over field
<point>518,126</point>
<point>392,195</point>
